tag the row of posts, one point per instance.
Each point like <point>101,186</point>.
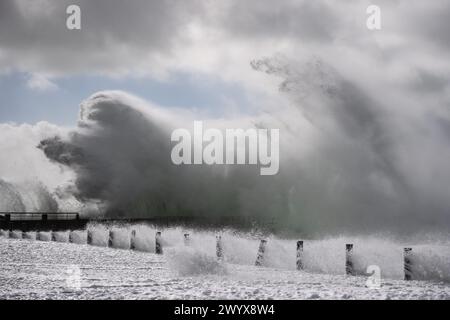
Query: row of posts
<point>158,242</point>
<point>349,266</point>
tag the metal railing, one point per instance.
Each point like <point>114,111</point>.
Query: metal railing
<point>38,216</point>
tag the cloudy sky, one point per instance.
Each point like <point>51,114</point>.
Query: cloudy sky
<point>364,114</point>
<point>197,53</point>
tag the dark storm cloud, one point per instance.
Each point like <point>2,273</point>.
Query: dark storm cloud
<point>429,82</point>
<point>114,33</point>
<point>429,22</point>
<point>148,37</point>
<point>306,20</point>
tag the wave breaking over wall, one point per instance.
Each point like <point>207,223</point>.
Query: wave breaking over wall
<point>348,163</point>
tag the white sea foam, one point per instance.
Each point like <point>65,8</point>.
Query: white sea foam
<point>324,256</point>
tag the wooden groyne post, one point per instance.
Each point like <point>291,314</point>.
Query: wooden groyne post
<point>219,248</point>
<point>349,259</point>
<point>299,255</point>
<point>133,240</point>
<point>158,244</point>
<point>261,251</point>
<point>90,237</point>
<point>111,239</point>
<point>407,263</point>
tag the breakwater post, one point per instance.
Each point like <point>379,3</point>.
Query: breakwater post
<point>111,239</point>
<point>407,263</point>
<point>133,240</point>
<point>261,251</point>
<point>300,255</point>
<point>158,244</point>
<point>348,259</point>
<point>219,248</point>
<point>90,237</point>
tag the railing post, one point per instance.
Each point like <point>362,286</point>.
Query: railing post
<point>299,255</point>
<point>219,248</point>
<point>348,259</point>
<point>261,250</point>
<point>407,263</point>
<point>158,244</point>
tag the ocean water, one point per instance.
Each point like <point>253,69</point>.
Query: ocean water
<point>45,269</point>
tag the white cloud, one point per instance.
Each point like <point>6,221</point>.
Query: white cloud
<point>156,38</point>
<point>41,83</point>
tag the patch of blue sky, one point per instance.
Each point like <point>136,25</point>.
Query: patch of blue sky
<point>206,94</point>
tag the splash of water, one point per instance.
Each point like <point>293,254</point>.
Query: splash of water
<point>325,256</point>
<point>28,196</point>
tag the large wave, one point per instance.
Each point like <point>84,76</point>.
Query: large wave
<point>28,180</point>
<point>31,196</point>
<point>348,162</point>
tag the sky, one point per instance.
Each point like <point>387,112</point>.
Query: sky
<point>197,54</point>
<point>363,114</point>
<point>59,103</point>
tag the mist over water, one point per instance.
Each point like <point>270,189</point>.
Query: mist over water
<point>26,197</point>
<point>28,181</point>
<point>349,164</point>
<point>342,161</point>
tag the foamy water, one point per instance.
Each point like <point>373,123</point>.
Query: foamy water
<point>39,268</point>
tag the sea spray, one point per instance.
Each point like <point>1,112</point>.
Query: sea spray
<point>121,238</point>
<point>430,262</point>
<point>60,236</point>
<point>45,236</point>
<point>341,171</point>
<point>79,236</point>
<point>324,256</point>
<point>189,261</point>
<point>100,234</point>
